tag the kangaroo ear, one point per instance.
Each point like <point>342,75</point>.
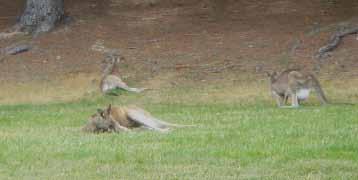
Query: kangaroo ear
<point>117,60</point>
<point>109,108</point>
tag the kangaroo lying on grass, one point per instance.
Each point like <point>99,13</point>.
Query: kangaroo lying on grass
<point>111,78</point>
<point>115,119</point>
<point>294,83</point>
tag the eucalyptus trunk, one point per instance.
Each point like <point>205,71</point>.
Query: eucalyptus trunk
<point>41,16</point>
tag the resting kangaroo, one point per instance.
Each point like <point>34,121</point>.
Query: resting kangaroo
<point>111,78</point>
<point>294,83</point>
<point>115,119</point>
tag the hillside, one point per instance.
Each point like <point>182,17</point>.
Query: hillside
<point>178,44</point>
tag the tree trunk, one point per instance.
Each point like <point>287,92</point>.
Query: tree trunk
<point>41,16</point>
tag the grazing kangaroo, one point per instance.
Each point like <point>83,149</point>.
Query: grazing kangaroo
<point>111,78</point>
<point>294,83</point>
<point>115,119</point>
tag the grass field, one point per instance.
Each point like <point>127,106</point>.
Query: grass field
<point>235,139</point>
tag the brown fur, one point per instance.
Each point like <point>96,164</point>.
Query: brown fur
<point>290,83</point>
<point>119,118</point>
<point>111,78</point>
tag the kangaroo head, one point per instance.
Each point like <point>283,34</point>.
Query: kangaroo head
<point>111,62</point>
<point>100,121</point>
<point>272,75</point>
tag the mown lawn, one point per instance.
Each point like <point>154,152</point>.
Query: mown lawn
<point>236,140</point>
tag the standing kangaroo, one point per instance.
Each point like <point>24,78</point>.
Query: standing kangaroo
<point>294,83</point>
<point>111,78</point>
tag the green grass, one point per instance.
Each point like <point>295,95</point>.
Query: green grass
<point>233,140</point>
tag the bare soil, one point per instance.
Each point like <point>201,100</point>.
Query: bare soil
<point>174,43</point>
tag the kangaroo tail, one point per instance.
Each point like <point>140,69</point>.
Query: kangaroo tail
<point>131,89</point>
<point>144,118</point>
<point>177,125</point>
<point>317,87</point>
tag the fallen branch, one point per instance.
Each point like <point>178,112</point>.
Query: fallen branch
<point>335,40</point>
<point>14,49</point>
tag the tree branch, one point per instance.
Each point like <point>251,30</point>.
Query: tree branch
<point>335,40</point>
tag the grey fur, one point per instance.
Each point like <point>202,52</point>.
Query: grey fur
<point>111,78</point>
<point>295,84</point>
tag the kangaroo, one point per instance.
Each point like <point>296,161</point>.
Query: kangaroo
<point>111,77</point>
<point>115,119</point>
<point>294,83</point>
